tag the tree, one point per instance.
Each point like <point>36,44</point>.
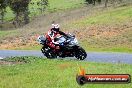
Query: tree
<point>20,9</point>
<point>89,1</point>
<point>92,1</point>
<point>106,2</point>
<point>43,4</point>
<point>99,1</point>
<point>3,5</point>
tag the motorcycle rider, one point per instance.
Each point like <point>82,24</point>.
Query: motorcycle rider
<point>51,35</point>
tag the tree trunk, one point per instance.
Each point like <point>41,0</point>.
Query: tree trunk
<point>26,17</point>
<point>2,16</point>
<point>120,1</point>
<point>99,1</point>
<point>17,20</point>
<point>94,2</point>
<point>106,2</point>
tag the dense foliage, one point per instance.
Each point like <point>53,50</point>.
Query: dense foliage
<point>3,5</point>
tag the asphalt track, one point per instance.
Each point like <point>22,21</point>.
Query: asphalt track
<point>106,57</point>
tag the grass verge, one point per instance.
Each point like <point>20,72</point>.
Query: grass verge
<point>88,48</point>
<point>43,73</point>
<point>4,34</point>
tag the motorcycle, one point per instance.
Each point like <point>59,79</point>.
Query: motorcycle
<point>69,47</point>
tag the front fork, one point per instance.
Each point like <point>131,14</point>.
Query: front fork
<point>44,49</point>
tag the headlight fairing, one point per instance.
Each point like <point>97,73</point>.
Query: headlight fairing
<point>41,39</point>
<point>74,41</point>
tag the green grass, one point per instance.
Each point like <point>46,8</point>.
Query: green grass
<point>107,49</point>
<point>45,73</point>
<point>64,4</point>
<point>54,5</point>
<point>36,47</point>
<point>4,34</point>
<point>99,47</point>
<point>112,16</point>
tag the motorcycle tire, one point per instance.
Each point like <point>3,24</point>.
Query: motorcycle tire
<point>49,54</point>
<point>80,54</point>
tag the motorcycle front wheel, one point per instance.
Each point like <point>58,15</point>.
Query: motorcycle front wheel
<point>49,53</point>
<point>80,53</point>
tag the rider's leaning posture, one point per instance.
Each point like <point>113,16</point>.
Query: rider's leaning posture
<point>51,35</point>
